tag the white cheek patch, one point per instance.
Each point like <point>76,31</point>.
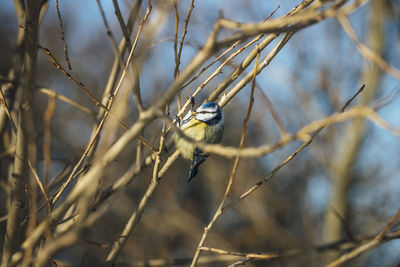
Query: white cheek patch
<point>207,109</point>
<point>186,118</point>
<point>205,116</point>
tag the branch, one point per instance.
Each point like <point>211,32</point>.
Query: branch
<point>63,36</point>
<point>287,160</point>
<point>287,24</point>
<point>366,51</point>
<point>137,214</point>
<point>18,199</point>
<point>218,213</point>
<point>382,237</point>
<point>240,254</point>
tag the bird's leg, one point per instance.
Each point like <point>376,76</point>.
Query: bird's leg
<point>198,158</point>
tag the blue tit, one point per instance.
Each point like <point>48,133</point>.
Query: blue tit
<point>206,124</point>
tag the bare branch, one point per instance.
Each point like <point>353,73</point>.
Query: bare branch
<point>382,237</point>
<point>218,213</point>
<point>18,200</point>
<point>367,52</point>
<point>63,36</point>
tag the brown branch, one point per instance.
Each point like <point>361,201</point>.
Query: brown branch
<point>271,110</point>
<point>252,55</point>
<point>185,27</point>
<point>124,28</point>
<point>127,178</point>
<point>240,254</point>
<point>291,23</point>
<point>95,135</point>
<point>177,59</point>
<point>63,36</point>
<point>47,137</point>
<point>118,245</point>
<point>220,67</point>
<point>219,260</point>
<point>218,213</point>
<point>67,100</point>
<point>264,63</point>
<point>6,110</point>
<point>33,171</point>
<point>366,51</point>
<point>283,163</point>
<point>84,188</point>
<point>79,84</point>
<point>20,177</point>
<point>42,189</point>
<point>9,88</point>
<point>110,35</point>
<point>137,215</point>
<point>108,94</point>
<point>134,170</point>
<point>382,237</point>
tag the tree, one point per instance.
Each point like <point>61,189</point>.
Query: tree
<point>89,172</point>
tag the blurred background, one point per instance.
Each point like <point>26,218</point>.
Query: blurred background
<point>344,187</point>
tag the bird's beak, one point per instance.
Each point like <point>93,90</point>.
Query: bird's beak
<point>193,114</point>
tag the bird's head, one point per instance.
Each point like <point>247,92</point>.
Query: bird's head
<point>210,113</point>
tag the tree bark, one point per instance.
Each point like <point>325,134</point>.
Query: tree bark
<point>18,197</point>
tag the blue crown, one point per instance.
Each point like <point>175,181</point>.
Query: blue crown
<point>209,105</point>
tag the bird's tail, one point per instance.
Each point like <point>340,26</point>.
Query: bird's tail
<point>199,158</point>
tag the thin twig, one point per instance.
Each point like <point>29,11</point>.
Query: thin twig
<point>379,239</point>
<point>218,213</point>
<point>110,35</point>
<point>177,59</point>
<point>304,134</point>
<point>10,86</point>
<point>63,36</point>
<point>263,64</point>
<point>84,189</point>
<point>79,84</point>
<point>47,137</point>
<point>42,189</point>
<point>271,110</point>
<point>137,215</point>
<point>240,262</point>
<point>118,245</point>
<point>185,27</point>
<point>240,254</point>
<point>149,159</point>
<point>122,25</point>
<point>5,107</point>
<point>225,62</point>
<point>283,163</point>
<point>294,22</point>
<point>366,51</point>
<point>108,94</point>
<point>67,100</point>
<point>100,126</point>
<point>32,220</point>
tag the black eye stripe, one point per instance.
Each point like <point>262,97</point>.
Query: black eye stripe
<point>205,112</point>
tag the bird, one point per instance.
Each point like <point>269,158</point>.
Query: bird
<point>206,124</point>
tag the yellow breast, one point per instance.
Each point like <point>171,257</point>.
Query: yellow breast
<point>194,129</point>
